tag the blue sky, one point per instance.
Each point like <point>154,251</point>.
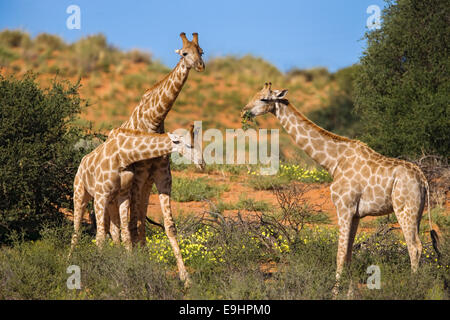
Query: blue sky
<point>289,34</point>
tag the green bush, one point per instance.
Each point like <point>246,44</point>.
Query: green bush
<point>186,189</point>
<point>227,259</point>
<point>14,38</point>
<point>93,53</point>
<point>38,270</point>
<point>37,157</point>
<point>249,68</point>
<point>402,89</point>
<point>49,41</point>
<point>138,56</point>
<point>319,74</point>
<point>6,56</point>
<point>338,115</point>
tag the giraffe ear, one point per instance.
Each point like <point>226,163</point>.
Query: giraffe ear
<point>280,94</point>
<point>191,134</point>
<point>178,51</point>
<point>174,138</point>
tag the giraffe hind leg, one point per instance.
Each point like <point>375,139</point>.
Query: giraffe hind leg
<point>100,216</point>
<point>114,226</point>
<point>80,199</point>
<point>408,210</point>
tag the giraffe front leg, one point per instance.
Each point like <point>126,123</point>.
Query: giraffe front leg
<point>171,233</point>
<point>348,224</point>
<point>124,204</point>
<point>163,182</point>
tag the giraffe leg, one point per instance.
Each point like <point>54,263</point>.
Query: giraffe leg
<point>163,181</point>
<point>411,234</point>
<point>141,172</point>
<point>100,206</point>
<point>351,239</point>
<point>124,204</point>
<point>112,211</point>
<point>408,201</point>
<point>145,193</point>
<point>408,211</point>
<point>348,259</point>
<point>348,224</point>
<point>80,200</point>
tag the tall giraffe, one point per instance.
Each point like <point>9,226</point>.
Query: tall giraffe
<point>98,175</point>
<point>365,183</point>
<point>149,116</point>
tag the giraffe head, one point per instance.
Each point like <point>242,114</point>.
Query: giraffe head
<point>191,52</point>
<point>264,101</point>
<point>186,146</point>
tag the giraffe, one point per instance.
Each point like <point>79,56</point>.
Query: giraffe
<point>365,183</point>
<point>98,175</point>
<point>149,116</point>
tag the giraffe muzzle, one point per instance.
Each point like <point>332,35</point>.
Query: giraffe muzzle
<point>200,66</point>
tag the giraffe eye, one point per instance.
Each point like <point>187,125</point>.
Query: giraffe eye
<point>185,54</point>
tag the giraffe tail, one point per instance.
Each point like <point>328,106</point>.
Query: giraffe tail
<point>433,234</point>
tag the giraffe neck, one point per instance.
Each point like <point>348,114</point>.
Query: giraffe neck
<point>319,144</point>
<point>156,102</point>
<point>137,148</point>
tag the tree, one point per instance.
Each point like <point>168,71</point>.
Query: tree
<point>402,89</point>
<point>38,160</point>
<point>338,115</point>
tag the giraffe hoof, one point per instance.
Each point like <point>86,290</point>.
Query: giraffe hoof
<point>335,291</point>
<point>187,282</point>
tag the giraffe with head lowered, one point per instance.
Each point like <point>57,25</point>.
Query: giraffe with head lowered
<point>365,183</point>
<point>98,176</point>
<point>149,116</point>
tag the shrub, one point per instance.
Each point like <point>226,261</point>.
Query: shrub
<point>94,53</point>
<point>185,189</point>
<point>249,68</point>
<point>403,85</point>
<point>37,158</point>
<point>6,56</point>
<point>319,74</point>
<point>38,270</point>
<point>338,114</point>
<point>49,41</point>
<point>14,38</point>
<point>138,56</point>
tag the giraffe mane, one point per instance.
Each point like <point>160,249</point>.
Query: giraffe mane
<point>320,129</point>
<point>161,81</point>
<point>116,131</point>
